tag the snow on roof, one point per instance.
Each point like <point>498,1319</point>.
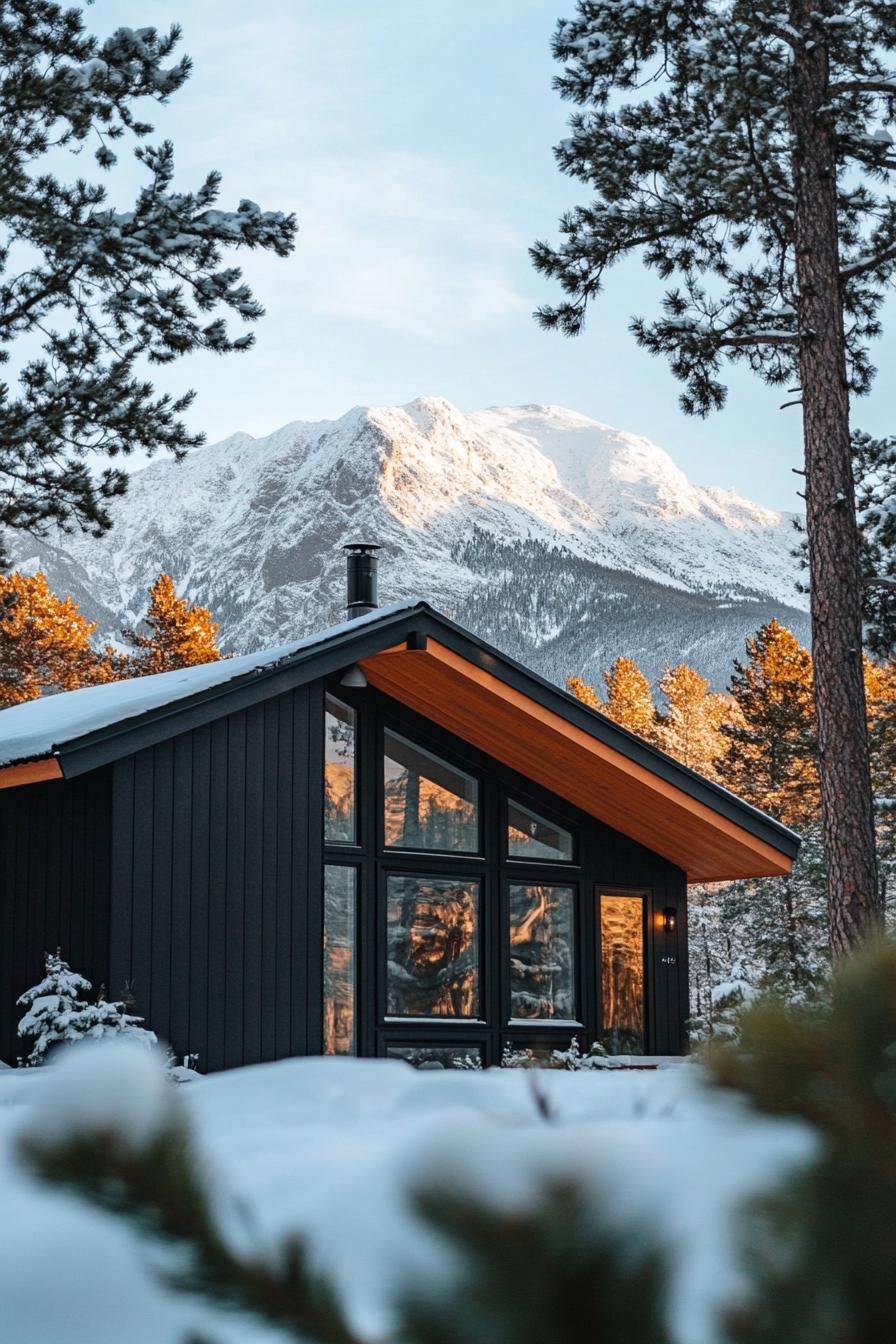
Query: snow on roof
<point>40,727</point>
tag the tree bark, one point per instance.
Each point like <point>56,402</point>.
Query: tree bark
<point>835,581</point>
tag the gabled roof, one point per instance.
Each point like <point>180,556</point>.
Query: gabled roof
<point>417,656</point>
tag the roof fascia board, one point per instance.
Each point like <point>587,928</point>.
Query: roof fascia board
<point>109,744</point>
<point>350,645</point>
<point>597,725</point>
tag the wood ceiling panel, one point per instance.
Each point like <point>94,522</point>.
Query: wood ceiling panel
<point>503,722</point>
<point>31,772</point>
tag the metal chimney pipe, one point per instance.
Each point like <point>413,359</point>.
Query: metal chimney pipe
<point>360,576</point>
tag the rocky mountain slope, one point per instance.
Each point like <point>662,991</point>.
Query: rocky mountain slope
<point>562,540</point>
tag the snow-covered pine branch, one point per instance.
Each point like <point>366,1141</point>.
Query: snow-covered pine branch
<point>104,286</point>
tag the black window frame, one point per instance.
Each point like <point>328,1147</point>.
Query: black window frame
<point>512,1024</point>
<point>549,814</point>
<point>346,846</point>
<point>384,849</point>
<point>601,858</point>
<point>357,868</point>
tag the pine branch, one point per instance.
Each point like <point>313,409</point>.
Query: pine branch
<point>886,87</point>
<point>160,1187</point>
<point>868,264</point>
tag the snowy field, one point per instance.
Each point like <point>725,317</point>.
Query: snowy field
<point>332,1147</point>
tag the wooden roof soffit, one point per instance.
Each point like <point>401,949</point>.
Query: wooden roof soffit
<point>31,772</point>
<point>503,722</point>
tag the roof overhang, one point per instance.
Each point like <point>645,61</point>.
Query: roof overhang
<point>478,705</point>
<point>30,772</point>
<point>449,675</point>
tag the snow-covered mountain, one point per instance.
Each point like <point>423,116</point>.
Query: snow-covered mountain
<point>564,541</point>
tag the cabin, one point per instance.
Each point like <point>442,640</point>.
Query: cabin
<point>386,839</point>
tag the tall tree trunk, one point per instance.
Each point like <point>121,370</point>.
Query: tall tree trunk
<point>846,802</point>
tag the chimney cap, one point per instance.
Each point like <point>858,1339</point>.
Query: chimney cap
<point>361,547</point>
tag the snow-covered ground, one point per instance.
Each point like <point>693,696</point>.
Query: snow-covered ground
<point>331,1147</point>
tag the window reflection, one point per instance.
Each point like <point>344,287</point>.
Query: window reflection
<point>339,773</point>
<point>340,904</point>
<point>433,947</point>
<point>429,804</point>
<point>438,1056</point>
<point>541,951</point>
<point>622,973</point>
<point>530,836</point>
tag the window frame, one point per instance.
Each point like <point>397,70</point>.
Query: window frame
<point>646,895</point>
<point>599,854</point>
<point>509,1022</point>
<point>509,796</point>
<point>357,1014</point>
<point>386,726</point>
<point>433,1024</point>
<point>356,844</point>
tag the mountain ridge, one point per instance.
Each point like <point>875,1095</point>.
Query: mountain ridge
<point>562,539</point>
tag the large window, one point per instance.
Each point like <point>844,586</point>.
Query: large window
<point>340,936</point>
<point>428,804</point>
<point>542,951</point>
<point>339,773</point>
<point>622,973</point>
<point>432,936</point>
<point>530,836</point>
<point>465,910</point>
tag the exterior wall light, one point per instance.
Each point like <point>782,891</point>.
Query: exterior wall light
<point>354,677</point>
<point>670,915</point>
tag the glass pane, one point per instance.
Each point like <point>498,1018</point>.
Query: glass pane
<point>622,973</point>
<point>529,836</point>
<point>339,773</point>
<point>428,803</point>
<point>542,975</point>
<point>433,947</point>
<point>340,903</point>
<point>438,1056</point>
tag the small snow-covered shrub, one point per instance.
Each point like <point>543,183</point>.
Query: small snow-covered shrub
<point>58,1012</point>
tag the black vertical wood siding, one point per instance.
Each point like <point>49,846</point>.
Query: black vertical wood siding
<point>189,874</point>
<point>54,887</point>
<point>216,845</point>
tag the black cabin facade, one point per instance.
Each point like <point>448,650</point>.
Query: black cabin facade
<point>387,840</point>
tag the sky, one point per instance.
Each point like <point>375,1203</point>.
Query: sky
<point>413,140</point>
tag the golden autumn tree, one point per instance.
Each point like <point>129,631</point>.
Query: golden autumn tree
<point>578,687</point>
<point>630,699</point>
<point>690,726</point>
<point>179,633</point>
<point>44,642</point>
<point>770,753</point>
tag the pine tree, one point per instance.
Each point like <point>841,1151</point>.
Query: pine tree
<point>44,642</point>
<point>741,150</point>
<point>880,694</point>
<point>769,753</point>
<point>58,1013</point>
<point>181,633</point>
<point>689,728</point>
<point>874,467</point>
<point>630,699</point>
<point>104,288</point>
<point>578,687</point>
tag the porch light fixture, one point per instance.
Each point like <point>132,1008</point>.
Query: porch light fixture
<point>669,917</point>
<point>354,678</point>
